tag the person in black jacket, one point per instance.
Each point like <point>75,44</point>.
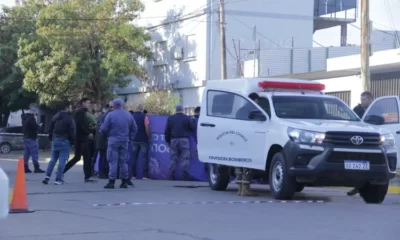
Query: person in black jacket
<point>101,143</point>
<point>62,133</point>
<point>177,132</point>
<point>30,130</point>
<point>366,99</point>
<point>82,138</point>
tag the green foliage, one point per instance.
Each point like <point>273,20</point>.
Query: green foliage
<point>12,25</point>
<point>82,48</point>
<point>161,102</point>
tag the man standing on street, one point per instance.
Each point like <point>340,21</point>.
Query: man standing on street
<point>101,143</point>
<point>141,142</point>
<point>62,134</point>
<point>244,175</point>
<point>366,100</point>
<point>177,132</point>
<point>82,138</point>
<point>120,128</point>
<point>30,129</point>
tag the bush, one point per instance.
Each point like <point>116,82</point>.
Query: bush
<point>161,102</point>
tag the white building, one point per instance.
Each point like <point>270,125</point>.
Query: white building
<point>187,49</point>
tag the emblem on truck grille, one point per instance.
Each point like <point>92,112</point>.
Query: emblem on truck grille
<point>356,140</point>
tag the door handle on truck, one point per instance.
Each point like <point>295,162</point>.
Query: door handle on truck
<point>207,125</point>
<point>398,132</point>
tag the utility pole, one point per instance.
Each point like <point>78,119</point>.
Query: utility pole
<point>365,45</point>
<point>222,38</point>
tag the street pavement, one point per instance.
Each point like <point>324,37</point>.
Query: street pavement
<point>167,210</point>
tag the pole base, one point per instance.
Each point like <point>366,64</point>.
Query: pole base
<point>21,211</point>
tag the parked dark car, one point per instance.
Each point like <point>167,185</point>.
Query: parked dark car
<point>11,138</point>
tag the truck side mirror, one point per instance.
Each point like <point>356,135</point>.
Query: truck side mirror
<point>374,119</point>
<point>257,116</point>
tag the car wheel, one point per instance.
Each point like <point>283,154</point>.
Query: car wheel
<point>299,187</point>
<point>218,177</point>
<point>374,194</point>
<point>5,148</point>
<point>282,185</point>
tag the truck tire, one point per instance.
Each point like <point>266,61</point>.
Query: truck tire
<point>299,187</point>
<point>282,185</point>
<point>218,177</point>
<point>374,194</point>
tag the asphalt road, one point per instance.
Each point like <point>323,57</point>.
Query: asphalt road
<point>165,210</point>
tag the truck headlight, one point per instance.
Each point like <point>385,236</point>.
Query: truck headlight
<point>303,136</point>
<point>388,140</point>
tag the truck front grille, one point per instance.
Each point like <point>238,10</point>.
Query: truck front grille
<point>344,138</point>
<point>340,157</point>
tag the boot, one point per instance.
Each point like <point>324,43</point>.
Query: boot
<point>27,170</point>
<point>130,183</point>
<point>123,184</point>
<point>110,184</point>
<point>239,189</point>
<point>352,192</point>
<point>246,192</point>
<point>37,169</point>
<point>186,176</point>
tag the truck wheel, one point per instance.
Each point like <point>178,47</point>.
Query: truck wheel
<point>218,177</point>
<point>299,187</point>
<point>374,194</point>
<point>5,148</point>
<point>282,185</point>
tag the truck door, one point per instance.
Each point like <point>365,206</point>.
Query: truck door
<point>228,135</point>
<point>387,107</point>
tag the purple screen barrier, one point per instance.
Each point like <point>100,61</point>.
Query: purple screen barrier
<point>159,159</point>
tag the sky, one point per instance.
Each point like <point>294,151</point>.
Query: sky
<point>7,2</point>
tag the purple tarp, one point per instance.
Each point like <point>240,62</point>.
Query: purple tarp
<point>159,155</point>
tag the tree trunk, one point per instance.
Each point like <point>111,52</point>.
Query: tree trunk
<point>4,119</point>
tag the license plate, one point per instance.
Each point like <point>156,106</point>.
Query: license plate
<point>356,165</point>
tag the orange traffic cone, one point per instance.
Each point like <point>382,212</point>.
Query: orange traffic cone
<point>19,202</point>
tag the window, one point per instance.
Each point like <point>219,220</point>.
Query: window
<point>228,105</point>
<point>386,108</point>
<point>161,51</point>
<point>191,46</point>
<point>264,104</point>
<point>305,107</point>
<point>13,130</point>
<point>160,75</point>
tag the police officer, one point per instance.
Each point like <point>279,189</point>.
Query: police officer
<point>101,143</point>
<point>30,129</point>
<point>243,175</point>
<point>177,132</point>
<point>120,128</point>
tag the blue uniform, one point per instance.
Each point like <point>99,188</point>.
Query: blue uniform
<point>120,128</point>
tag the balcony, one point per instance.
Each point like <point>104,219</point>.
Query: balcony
<point>332,13</point>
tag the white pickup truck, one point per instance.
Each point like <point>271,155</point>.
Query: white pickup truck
<point>296,136</point>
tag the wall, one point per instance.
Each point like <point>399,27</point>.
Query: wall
<point>350,83</point>
<point>279,24</point>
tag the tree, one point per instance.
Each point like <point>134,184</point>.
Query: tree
<point>161,102</point>
<point>83,48</point>
<point>13,24</point>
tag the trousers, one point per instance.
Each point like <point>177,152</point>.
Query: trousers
<point>243,175</point>
<point>31,149</point>
<point>118,155</point>
<point>179,153</point>
<point>143,149</point>
<point>60,149</point>
<point>81,149</point>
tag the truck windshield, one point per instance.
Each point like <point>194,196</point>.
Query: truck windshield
<point>305,107</point>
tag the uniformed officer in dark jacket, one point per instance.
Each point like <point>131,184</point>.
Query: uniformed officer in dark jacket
<point>30,130</point>
<point>177,132</point>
